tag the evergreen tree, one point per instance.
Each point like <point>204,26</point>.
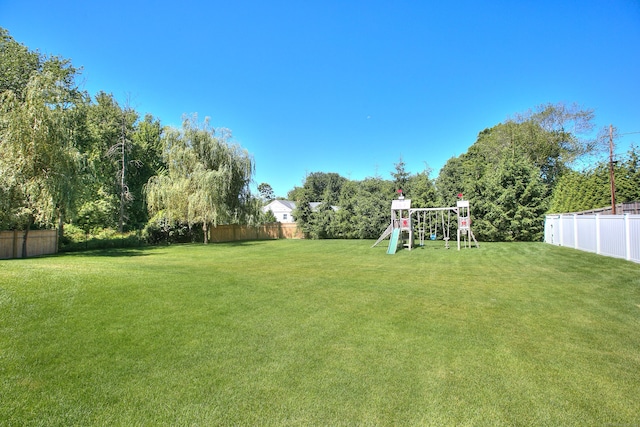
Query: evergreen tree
<point>627,177</point>
<point>591,189</point>
<point>422,190</point>
<point>365,208</point>
<point>400,175</point>
<point>515,194</point>
<point>303,214</point>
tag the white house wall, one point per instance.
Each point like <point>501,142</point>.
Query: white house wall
<point>279,210</point>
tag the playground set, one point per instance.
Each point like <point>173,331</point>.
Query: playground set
<point>427,221</point>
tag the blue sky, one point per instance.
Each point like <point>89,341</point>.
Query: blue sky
<point>347,86</point>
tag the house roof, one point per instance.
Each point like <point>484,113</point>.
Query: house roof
<point>283,204</point>
<point>315,205</point>
<point>289,204</point>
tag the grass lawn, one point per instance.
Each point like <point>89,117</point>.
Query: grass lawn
<point>295,332</point>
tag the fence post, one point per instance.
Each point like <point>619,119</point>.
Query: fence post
<point>627,237</point>
<point>598,250</point>
<point>575,232</point>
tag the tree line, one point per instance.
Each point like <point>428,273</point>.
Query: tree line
<point>514,173</point>
<point>590,189</point>
<point>71,159</point>
<point>75,161</point>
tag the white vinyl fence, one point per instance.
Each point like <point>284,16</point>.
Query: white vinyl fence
<point>611,235</point>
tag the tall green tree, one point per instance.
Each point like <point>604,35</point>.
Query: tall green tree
<point>452,180</point>
<point>146,151</point>
<point>294,193</point>
<point>421,189</point>
<point>323,188</point>
<point>207,177</point>
<point>581,191</point>
<point>17,65</point>
<point>266,192</point>
<point>590,189</point>
<point>627,177</point>
<point>108,151</point>
<point>554,136</point>
<point>400,175</point>
<point>120,152</point>
<point>39,160</point>
<point>325,224</point>
<point>303,213</point>
<point>515,202</point>
<point>365,208</point>
<point>546,140</point>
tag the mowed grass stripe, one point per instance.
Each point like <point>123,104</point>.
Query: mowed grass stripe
<point>320,333</point>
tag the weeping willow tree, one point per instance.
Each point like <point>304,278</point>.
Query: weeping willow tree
<point>206,180</point>
<point>39,160</point>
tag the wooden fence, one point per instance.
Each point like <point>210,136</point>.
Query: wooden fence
<point>39,242</point>
<point>274,230</point>
<point>632,208</point>
<point>45,242</point>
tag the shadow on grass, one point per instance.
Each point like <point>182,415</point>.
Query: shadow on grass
<point>115,252</point>
<point>242,243</point>
<point>431,246</point>
<point>149,250</point>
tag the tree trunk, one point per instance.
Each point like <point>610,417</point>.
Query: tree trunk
<point>123,186</point>
<point>205,228</point>
<point>26,236</point>
<point>60,225</point>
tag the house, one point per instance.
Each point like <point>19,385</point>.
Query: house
<point>283,209</point>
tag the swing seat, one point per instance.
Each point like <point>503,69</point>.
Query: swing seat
<point>433,237</point>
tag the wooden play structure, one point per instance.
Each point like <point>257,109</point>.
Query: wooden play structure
<point>400,227</point>
<point>430,223</point>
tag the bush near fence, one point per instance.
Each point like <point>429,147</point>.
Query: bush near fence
<point>39,242</point>
<point>235,232</point>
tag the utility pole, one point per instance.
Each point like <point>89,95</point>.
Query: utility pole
<point>611,175</point>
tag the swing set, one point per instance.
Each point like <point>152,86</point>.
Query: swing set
<point>402,230</point>
<point>433,218</point>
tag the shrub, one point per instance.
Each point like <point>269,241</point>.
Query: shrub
<point>161,230</point>
<point>76,239</point>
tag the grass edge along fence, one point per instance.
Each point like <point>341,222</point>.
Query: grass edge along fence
<point>39,242</point>
<point>610,235</point>
<point>45,242</point>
